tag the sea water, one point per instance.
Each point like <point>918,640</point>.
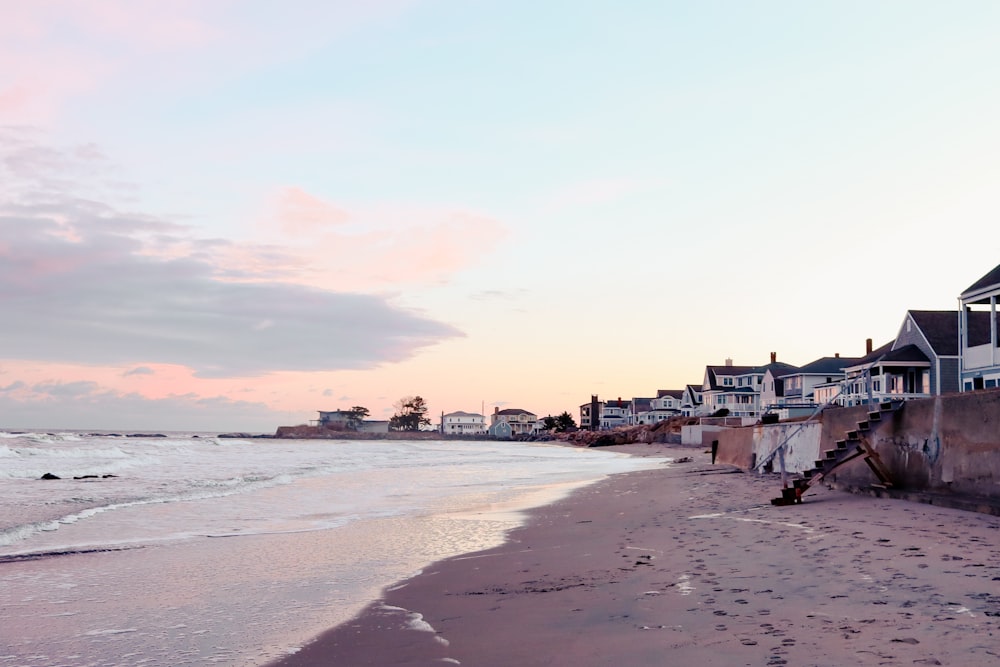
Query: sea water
<point>195,550</point>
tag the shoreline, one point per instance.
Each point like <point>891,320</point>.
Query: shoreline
<point>692,564</point>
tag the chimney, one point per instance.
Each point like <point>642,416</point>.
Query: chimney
<point>868,346</point>
<point>774,357</point>
<point>496,409</point>
<point>619,401</point>
<point>729,361</point>
<point>836,355</point>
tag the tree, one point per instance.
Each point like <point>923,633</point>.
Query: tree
<point>356,415</point>
<point>411,414</point>
<point>565,422</point>
<point>560,424</point>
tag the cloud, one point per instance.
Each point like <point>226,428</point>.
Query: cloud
<point>87,405</point>
<point>139,370</point>
<point>84,282</point>
<point>322,242</point>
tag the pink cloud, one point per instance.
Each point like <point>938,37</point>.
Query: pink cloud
<point>301,214</point>
<point>309,242</point>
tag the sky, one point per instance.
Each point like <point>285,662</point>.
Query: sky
<point>230,215</point>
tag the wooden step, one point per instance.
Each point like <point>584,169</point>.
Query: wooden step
<point>874,416</point>
<point>863,426</point>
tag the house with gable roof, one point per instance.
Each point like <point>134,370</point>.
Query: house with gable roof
<point>667,404</point>
<point>888,373</point>
<point>691,400</point>
<point>737,388</point>
<point>772,388</point>
<point>520,422</point>
<point>979,338</point>
<point>615,413</point>
<point>935,333</point>
<point>800,386</point>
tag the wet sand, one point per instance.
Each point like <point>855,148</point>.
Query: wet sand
<point>690,564</point>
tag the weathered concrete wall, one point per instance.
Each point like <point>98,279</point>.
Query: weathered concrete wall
<point>946,443</point>
<point>743,447</point>
<point>700,434</point>
<point>802,450</point>
<point>735,447</point>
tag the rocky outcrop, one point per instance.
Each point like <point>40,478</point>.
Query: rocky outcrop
<point>668,431</point>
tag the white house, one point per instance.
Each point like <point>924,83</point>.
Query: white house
<point>737,388</point>
<point>691,400</point>
<point>463,423</point>
<point>615,413</point>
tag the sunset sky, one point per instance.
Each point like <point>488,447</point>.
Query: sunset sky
<point>229,215</point>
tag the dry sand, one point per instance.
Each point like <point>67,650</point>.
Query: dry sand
<point>690,564</point>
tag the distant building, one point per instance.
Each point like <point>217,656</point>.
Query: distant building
<point>345,420</point>
<point>463,423</point>
<point>521,422</point>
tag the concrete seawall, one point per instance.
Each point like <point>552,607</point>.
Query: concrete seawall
<point>947,445</point>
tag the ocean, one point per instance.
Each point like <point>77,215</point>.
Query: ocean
<point>195,550</point>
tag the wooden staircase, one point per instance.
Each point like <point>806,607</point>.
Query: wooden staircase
<point>855,444</point>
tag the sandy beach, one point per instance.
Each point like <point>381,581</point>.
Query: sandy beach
<point>690,564</point>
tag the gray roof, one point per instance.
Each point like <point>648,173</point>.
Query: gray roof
<point>826,365</point>
<point>905,354</point>
<point>672,393</point>
<point>991,279</point>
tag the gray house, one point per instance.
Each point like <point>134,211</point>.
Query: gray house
<point>935,333</point>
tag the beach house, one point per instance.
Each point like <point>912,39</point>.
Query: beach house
<point>520,422</point>
<point>463,423</point>
<point>978,335</point>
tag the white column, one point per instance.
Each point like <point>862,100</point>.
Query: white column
<point>993,330</point>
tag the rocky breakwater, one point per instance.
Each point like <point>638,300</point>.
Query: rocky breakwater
<point>667,431</point>
<point>308,432</point>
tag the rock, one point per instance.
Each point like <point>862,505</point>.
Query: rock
<point>49,475</point>
<point>86,477</point>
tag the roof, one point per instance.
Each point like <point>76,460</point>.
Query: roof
<point>777,368</point>
<point>826,365</point>
<point>906,354</point>
<point>991,279</point>
<point>459,413</point>
<point>780,372</point>
<point>642,404</point>
<point>940,328</point>
<point>672,393</point>
<point>714,372</point>
<point>874,356</point>
<point>515,411</point>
